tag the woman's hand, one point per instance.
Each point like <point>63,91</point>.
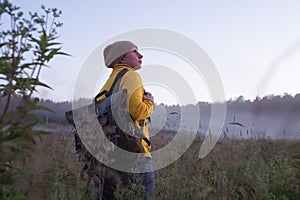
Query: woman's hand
<point>148,96</point>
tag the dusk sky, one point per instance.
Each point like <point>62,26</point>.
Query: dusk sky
<point>254,45</point>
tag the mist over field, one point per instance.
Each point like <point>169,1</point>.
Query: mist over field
<point>271,116</point>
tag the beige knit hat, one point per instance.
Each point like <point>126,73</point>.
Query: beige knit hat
<point>116,50</point>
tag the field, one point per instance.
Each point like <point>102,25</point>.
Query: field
<point>234,169</point>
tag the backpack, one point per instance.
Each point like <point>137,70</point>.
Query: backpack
<point>106,110</point>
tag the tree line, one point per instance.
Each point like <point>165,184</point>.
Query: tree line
<point>270,104</point>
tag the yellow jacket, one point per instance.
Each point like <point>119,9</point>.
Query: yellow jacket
<point>138,108</point>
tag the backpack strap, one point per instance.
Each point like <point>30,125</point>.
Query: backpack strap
<point>145,139</point>
<point>108,93</point>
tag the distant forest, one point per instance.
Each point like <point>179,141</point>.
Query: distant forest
<point>271,104</point>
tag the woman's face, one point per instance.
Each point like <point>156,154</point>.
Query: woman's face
<point>133,58</point>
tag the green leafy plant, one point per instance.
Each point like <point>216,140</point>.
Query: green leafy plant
<point>135,190</point>
<point>60,178</point>
<point>27,44</point>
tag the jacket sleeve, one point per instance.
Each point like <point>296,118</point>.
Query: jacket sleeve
<point>139,109</point>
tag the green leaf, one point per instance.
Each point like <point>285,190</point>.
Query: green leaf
<point>13,140</point>
<point>33,39</point>
<point>28,128</point>
<point>28,65</point>
<point>63,53</point>
<point>3,44</point>
<point>52,53</point>
<point>36,117</point>
<point>40,107</point>
<point>40,132</point>
<point>43,41</point>
<point>53,44</point>
<point>43,85</point>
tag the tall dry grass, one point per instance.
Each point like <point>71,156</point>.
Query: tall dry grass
<point>234,169</point>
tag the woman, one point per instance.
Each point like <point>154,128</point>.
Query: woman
<point>124,55</point>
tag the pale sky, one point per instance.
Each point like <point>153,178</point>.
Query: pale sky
<point>254,45</point>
